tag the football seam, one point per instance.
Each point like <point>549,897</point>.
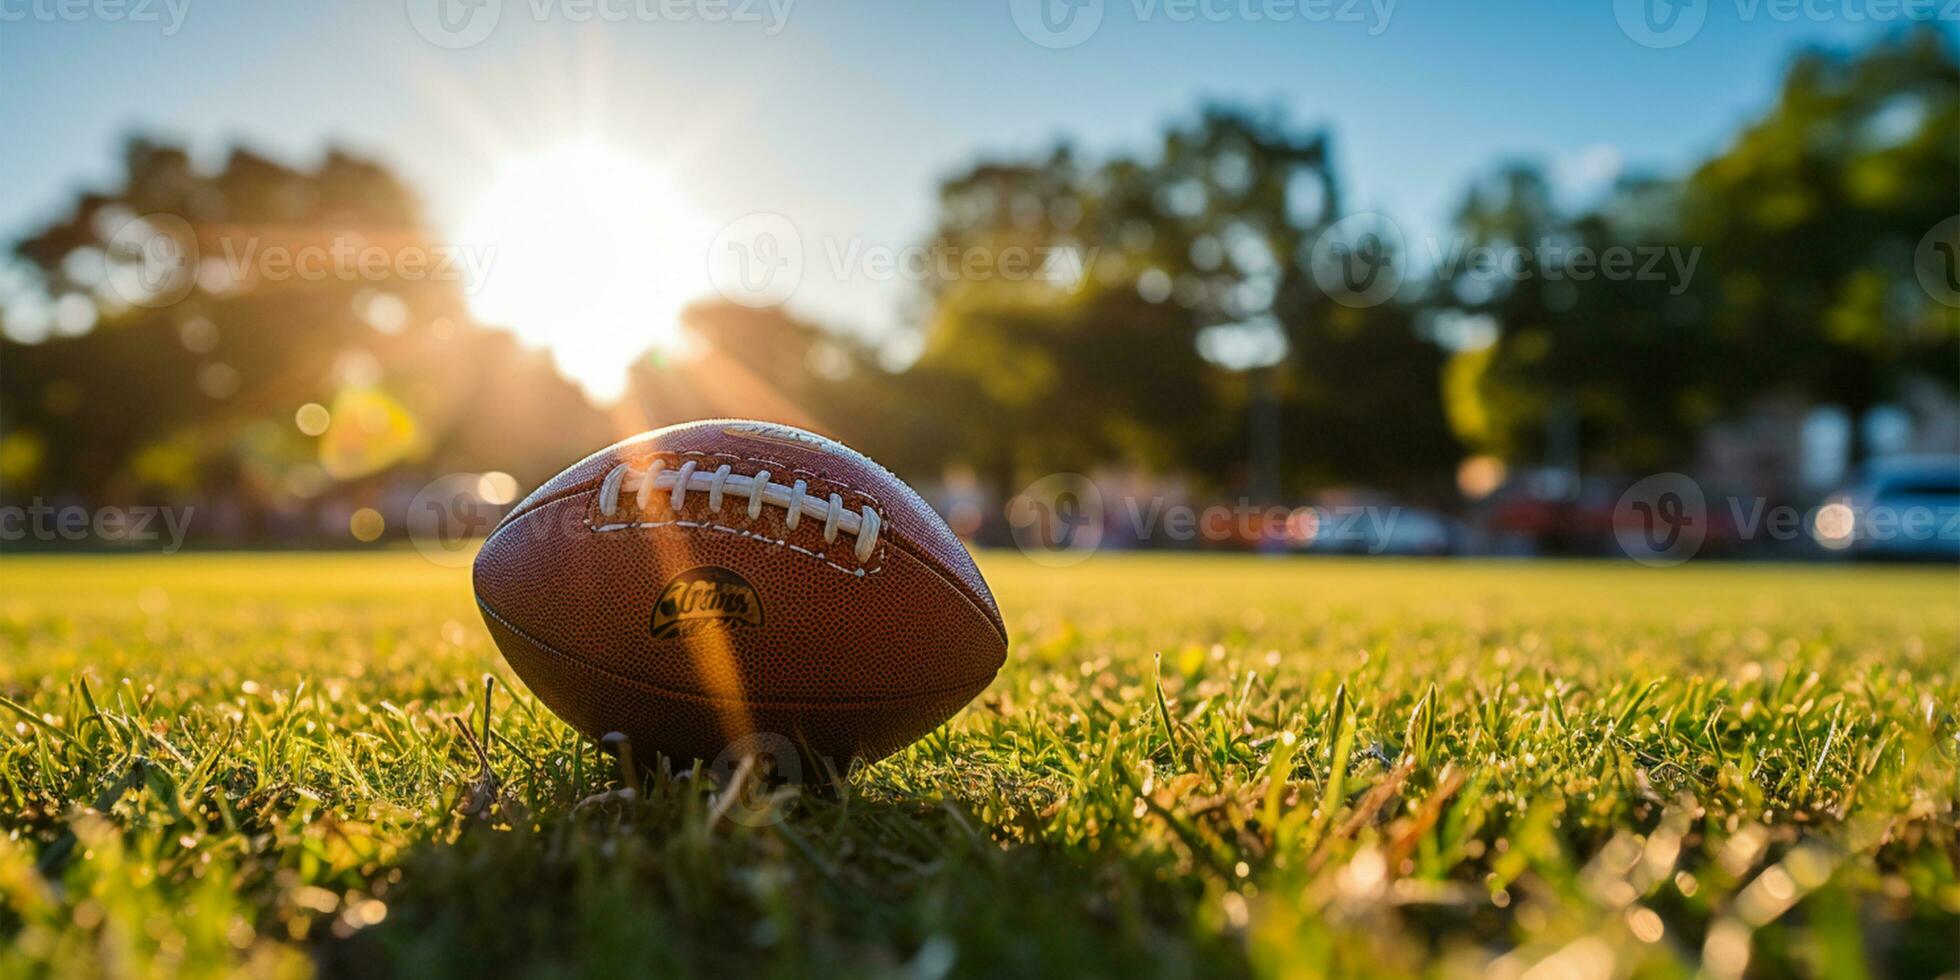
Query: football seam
<point>986,607</point>
<point>826,484</point>
<point>773,464</point>
<point>616,526</point>
<point>544,647</point>
<point>740,533</point>
<point>925,559</point>
<point>593,482</point>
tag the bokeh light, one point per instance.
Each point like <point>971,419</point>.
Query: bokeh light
<point>369,432</point>
<point>1833,525</point>
<point>366,524</point>
<point>312,418</point>
<point>1480,476</point>
<point>496,487</point>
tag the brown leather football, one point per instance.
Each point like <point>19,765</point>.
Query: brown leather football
<point>705,582</point>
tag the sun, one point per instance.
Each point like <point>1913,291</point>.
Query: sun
<point>591,254</point>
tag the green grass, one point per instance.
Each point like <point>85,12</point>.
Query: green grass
<point>1190,766</point>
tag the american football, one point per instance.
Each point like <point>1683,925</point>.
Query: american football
<point>709,581</point>
<point>1362,489</point>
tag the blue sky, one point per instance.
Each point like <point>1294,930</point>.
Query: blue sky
<point>844,115</point>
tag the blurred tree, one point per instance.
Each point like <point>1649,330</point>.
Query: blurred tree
<point>1812,215</point>
<point>1559,361</point>
<point>1172,313</point>
<point>1802,235</point>
<point>184,317</point>
<point>766,364</point>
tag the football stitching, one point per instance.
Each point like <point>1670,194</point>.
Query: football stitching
<point>828,483</point>
<point>833,482</point>
<point>592,482</point>
<point>948,575</point>
<point>741,532</point>
<point>975,596</point>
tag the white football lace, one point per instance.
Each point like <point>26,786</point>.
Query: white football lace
<point>793,498</point>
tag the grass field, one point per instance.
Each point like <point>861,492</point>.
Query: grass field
<point>1190,766</point>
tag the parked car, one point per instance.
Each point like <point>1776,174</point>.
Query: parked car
<point>1903,507</point>
<point>1379,527</point>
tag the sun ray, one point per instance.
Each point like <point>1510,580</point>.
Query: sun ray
<point>592,254</point>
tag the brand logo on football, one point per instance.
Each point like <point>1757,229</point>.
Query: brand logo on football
<point>707,595</point>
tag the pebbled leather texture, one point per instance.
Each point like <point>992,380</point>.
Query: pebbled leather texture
<point>608,619</point>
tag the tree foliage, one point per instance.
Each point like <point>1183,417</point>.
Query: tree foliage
<point>1193,315</point>
<point>151,400</point>
<point>1803,232</point>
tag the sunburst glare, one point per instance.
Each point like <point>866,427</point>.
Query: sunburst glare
<point>591,254</point>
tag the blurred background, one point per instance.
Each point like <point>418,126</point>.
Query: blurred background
<point>318,277</point>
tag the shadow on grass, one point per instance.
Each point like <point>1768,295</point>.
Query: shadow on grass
<point>876,882</point>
